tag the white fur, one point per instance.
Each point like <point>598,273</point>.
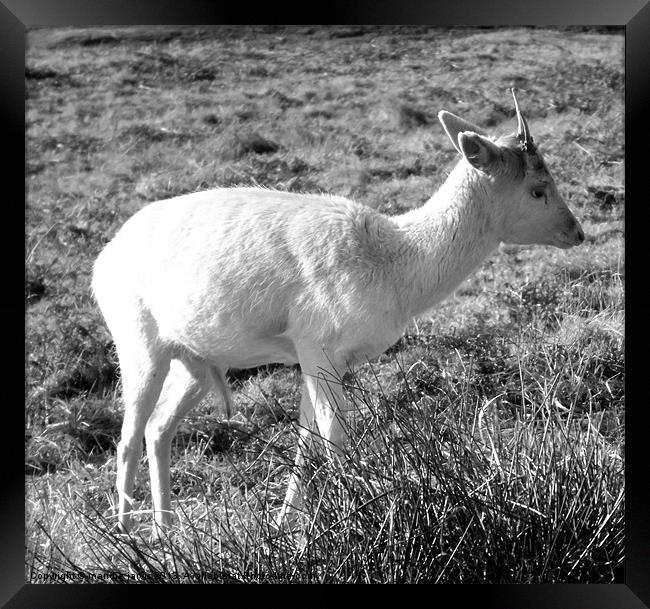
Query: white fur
<point>236,278</point>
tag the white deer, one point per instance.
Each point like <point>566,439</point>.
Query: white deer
<point>239,277</point>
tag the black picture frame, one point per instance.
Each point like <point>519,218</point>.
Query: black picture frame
<point>17,16</point>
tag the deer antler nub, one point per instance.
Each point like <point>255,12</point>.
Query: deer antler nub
<point>523,133</point>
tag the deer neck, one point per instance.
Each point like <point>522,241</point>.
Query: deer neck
<point>445,240</point>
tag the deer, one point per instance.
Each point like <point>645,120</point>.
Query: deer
<point>240,277</point>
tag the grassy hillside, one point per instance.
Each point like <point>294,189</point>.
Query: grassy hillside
<point>487,444</point>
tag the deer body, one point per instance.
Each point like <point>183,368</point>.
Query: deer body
<point>236,278</point>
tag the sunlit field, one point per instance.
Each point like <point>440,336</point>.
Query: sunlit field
<point>487,445</point>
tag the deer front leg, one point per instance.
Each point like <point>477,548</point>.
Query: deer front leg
<point>321,425</point>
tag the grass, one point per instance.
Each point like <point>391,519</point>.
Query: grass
<point>486,446</point>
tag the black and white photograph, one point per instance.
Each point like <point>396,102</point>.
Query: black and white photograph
<point>325,304</point>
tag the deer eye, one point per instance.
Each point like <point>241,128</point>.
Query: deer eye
<point>538,193</point>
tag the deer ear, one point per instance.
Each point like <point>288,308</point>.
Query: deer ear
<point>454,125</point>
<point>479,151</point>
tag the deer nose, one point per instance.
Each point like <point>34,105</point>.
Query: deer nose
<point>580,234</point>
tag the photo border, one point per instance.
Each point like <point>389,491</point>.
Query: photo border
<point>17,16</point>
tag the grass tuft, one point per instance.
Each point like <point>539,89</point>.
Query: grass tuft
<point>439,487</point>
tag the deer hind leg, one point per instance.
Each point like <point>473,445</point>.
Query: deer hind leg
<point>321,420</point>
<point>187,383</point>
<point>144,364</point>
